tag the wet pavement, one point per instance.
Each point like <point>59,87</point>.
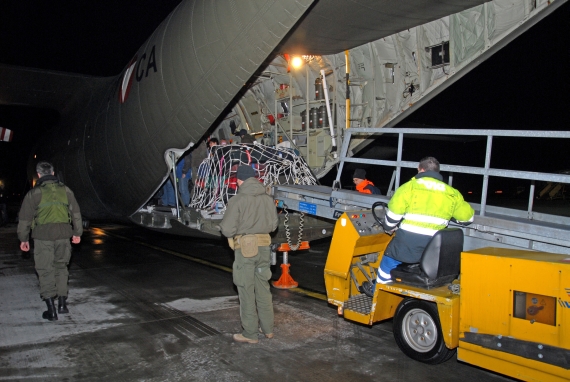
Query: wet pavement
<point>147,306</point>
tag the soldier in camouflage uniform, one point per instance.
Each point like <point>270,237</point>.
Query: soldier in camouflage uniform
<point>52,213</point>
<point>249,218</point>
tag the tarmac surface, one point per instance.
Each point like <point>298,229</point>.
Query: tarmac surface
<point>147,306</point>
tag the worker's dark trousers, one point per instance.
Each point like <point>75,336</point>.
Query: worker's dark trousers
<point>51,258</point>
<point>251,276</point>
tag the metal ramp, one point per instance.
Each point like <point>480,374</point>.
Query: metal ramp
<point>324,201</point>
<point>492,226</point>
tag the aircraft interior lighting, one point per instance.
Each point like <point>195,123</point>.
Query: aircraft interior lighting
<point>297,62</point>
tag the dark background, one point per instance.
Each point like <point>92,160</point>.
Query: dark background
<point>523,86</point>
<point>95,38</point>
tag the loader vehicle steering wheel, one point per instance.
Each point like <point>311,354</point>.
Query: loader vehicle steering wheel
<point>379,220</point>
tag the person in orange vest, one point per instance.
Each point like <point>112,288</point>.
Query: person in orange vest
<point>364,185</point>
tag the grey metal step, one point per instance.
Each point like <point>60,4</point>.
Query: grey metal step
<point>360,303</point>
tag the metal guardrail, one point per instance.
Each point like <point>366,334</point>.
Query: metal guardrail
<point>486,171</point>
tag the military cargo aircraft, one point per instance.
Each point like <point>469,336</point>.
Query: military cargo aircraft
<point>294,74</point>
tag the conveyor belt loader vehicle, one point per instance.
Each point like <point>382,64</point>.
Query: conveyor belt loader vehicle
<point>501,309</point>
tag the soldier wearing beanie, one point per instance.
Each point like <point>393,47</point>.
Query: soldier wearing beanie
<point>249,218</point>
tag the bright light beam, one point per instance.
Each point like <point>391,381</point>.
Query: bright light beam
<point>297,62</point>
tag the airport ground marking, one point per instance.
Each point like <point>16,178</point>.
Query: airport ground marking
<point>301,291</point>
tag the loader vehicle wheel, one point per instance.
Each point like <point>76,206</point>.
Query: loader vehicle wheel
<point>417,332</point>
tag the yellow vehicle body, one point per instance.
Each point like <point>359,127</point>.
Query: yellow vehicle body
<point>509,315</point>
<point>514,315</point>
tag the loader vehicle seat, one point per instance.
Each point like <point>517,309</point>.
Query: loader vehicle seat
<point>439,263</point>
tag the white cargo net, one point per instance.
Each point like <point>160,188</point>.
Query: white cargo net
<point>216,180</point>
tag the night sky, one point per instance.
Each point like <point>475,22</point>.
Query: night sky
<point>523,86</point>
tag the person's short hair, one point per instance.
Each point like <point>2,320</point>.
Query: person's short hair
<point>359,173</point>
<point>242,132</point>
<point>245,172</point>
<point>44,168</point>
<point>429,164</point>
<point>214,140</point>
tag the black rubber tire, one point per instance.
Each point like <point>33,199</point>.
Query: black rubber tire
<point>417,332</point>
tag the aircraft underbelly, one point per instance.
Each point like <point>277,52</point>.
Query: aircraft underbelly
<point>291,231</point>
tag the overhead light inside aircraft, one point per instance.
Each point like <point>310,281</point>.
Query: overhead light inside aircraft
<point>297,62</point>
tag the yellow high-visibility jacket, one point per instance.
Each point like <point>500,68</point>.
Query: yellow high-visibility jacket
<point>425,204</point>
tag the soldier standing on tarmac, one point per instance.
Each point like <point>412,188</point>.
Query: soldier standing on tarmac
<point>50,210</point>
<point>249,218</point>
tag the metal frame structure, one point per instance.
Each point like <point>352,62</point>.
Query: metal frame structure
<point>492,226</point>
<point>485,171</point>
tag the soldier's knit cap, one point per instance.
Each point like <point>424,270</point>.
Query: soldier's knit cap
<point>245,172</point>
<point>359,173</point>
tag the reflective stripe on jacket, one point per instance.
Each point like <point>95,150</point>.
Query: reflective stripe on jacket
<point>426,204</point>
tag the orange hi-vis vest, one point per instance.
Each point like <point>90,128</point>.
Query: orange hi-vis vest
<point>362,186</point>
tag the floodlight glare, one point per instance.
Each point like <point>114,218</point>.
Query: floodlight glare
<point>297,62</point>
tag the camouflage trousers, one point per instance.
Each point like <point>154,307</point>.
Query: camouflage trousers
<point>51,258</point>
<point>251,276</point>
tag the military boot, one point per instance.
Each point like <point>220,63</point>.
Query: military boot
<point>62,305</point>
<point>50,314</point>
